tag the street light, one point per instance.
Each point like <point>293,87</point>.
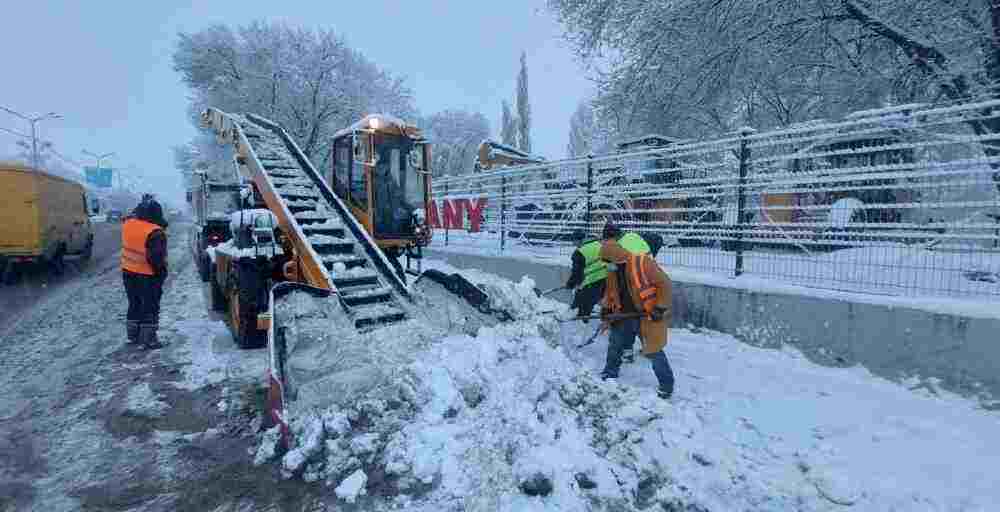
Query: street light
<point>34,132</point>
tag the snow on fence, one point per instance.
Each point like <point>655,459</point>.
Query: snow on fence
<point>900,201</point>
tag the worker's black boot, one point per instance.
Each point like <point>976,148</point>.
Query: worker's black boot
<point>132,331</point>
<point>628,357</point>
<point>148,337</point>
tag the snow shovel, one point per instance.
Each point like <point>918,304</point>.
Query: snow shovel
<point>611,318</point>
<point>600,330</point>
<point>540,293</point>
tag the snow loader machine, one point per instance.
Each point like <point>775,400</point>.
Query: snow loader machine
<point>334,238</point>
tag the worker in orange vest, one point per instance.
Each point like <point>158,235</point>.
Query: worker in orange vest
<point>144,269</point>
<point>637,286</point>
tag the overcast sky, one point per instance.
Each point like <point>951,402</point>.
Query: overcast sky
<point>106,66</point>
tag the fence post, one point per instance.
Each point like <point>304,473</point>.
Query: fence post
<point>590,190</point>
<point>741,198</point>
<point>441,213</point>
<point>503,211</point>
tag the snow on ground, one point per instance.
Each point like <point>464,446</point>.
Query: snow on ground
<point>512,418</point>
<point>142,401</point>
<point>942,281</point>
<point>213,356</point>
<point>208,352</point>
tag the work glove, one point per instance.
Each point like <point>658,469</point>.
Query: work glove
<point>658,313</point>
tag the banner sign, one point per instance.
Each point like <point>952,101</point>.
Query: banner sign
<point>98,176</point>
<point>452,213</point>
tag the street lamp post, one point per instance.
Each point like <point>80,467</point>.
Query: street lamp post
<point>34,131</point>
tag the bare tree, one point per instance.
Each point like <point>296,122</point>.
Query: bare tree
<point>523,108</point>
<point>695,68</point>
<point>508,126</point>
<point>456,136</point>
<point>309,81</point>
<point>582,131</point>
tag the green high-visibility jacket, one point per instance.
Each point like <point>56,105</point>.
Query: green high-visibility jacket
<point>634,243</point>
<point>593,268</point>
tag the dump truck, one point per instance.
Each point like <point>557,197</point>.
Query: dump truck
<point>212,201</point>
<point>44,219</point>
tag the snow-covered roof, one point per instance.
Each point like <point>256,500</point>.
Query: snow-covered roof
<point>646,140</point>
<point>498,149</point>
<point>381,122</point>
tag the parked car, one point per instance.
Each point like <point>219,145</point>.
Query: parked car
<point>43,219</point>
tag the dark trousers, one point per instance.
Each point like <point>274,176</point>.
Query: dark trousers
<point>588,296</point>
<point>623,334</point>
<point>144,294</point>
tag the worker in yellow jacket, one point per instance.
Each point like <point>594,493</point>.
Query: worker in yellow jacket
<point>144,270</point>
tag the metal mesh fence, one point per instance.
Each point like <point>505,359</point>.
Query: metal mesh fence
<point>902,201</point>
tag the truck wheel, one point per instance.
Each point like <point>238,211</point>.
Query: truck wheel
<point>203,270</point>
<point>243,321</point>
<point>218,298</point>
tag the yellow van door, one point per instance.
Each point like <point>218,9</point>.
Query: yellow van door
<point>18,213</point>
<point>81,220</point>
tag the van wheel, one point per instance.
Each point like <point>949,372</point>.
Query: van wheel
<point>9,276</point>
<point>58,263</point>
<point>88,251</point>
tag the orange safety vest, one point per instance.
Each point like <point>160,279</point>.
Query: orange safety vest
<point>639,280</point>
<point>135,232</point>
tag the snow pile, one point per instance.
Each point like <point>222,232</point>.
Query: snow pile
<point>500,421</point>
<point>324,239</point>
<point>520,299</point>
<point>229,248</point>
<point>329,223</point>
<point>298,190</point>
<point>300,202</point>
<point>423,417</point>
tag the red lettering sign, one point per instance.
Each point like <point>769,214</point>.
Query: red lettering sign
<point>433,221</point>
<point>475,210</point>
<point>453,214</point>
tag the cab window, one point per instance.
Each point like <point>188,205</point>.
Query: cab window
<point>341,166</point>
<point>358,186</point>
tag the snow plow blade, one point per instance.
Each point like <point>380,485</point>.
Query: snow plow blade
<point>462,287</point>
<point>276,355</point>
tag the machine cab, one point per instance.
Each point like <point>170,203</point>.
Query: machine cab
<point>380,170</point>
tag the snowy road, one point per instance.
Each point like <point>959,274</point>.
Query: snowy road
<point>35,285</point>
<point>88,424</point>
